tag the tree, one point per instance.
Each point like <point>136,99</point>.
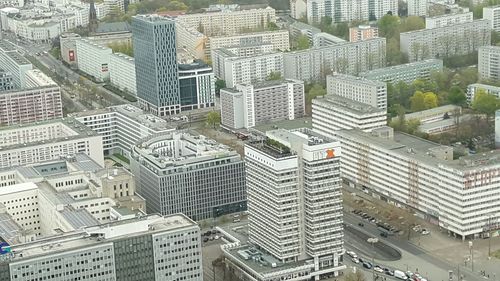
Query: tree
<point>485,103</point>
<point>417,101</point>
<point>316,91</point>
<point>219,84</point>
<point>388,26</point>
<point>272,26</point>
<point>302,42</point>
<point>430,100</point>
<point>412,23</point>
<point>495,38</point>
<point>275,75</point>
<point>456,96</point>
<point>213,118</point>
<point>122,47</point>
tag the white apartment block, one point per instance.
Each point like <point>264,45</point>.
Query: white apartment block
<point>30,105</point>
<point>191,40</point>
<point>298,9</point>
<point>417,7</point>
<point>493,15</point>
<point>149,247</point>
<point>459,195</point>
<point>246,106</point>
<point>472,89</point>
<point>406,73</point>
<point>298,28</point>
<point>122,72</point>
<point>488,64</point>
<point>332,113</point>
<point>229,22</point>
<point>294,205</point>
<point>324,39</point>
<point>447,20</point>
<point>349,10</point>
<point>279,39</point>
<point>13,62</point>
<point>122,126</point>
<point>349,58</point>
<point>36,78</point>
<point>245,70</point>
<point>373,93</point>
<point>441,42</point>
<point>48,140</point>
<point>497,128</point>
<point>93,59</point>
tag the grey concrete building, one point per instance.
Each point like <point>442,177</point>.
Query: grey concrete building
<point>472,89</point>
<point>248,105</point>
<point>349,58</point>
<point>6,81</point>
<point>150,247</point>
<point>370,92</point>
<point>12,61</point>
<point>156,70</point>
<point>441,42</point>
<point>488,64</point>
<point>406,73</point>
<point>193,175</point>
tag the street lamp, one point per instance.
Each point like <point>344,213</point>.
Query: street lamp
<point>373,241</point>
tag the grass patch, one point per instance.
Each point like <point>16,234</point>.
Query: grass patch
<point>496,254</point>
<point>122,158</point>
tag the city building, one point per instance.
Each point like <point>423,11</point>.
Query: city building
<point>459,195</point>
<point>417,8</point>
<point>122,73</point>
<point>121,126</point>
<point>36,78</point>
<point>295,209</point>
<point>191,40</point>
<point>488,65</point>
<point>433,114</point>
<point>183,173</point>
<point>148,247</point>
<point>448,20</point>
<point>156,70</point>
<point>333,112</point>
<point>234,69</point>
<point>472,89</point>
<point>349,10</point>
<point>373,93</point>
<point>324,39</point>
<point>30,105</point>
<point>93,59</point>
<point>196,85</point>
<point>493,15</point>
<point>406,73</point>
<point>298,28</point>
<point>14,63</point>
<point>48,140</point>
<point>362,32</point>
<point>442,42</point>
<point>298,9</point>
<point>497,128</point>
<point>349,58</point>
<point>248,105</point>
<point>68,48</point>
<point>6,82</point>
<point>229,22</point>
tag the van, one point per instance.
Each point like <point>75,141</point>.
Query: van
<point>400,275</point>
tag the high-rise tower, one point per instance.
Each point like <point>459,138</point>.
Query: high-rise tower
<point>156,64</point>
<point>92,17</point>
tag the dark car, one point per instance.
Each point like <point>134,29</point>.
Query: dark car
<point>383,234</point>
<point>361,224</point>
<point>367,265</point>
<point>205,239</point>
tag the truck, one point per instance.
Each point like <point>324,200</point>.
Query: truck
<point>400,275</point>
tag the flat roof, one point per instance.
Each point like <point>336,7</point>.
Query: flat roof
<point>417,64</point>
<point>6,46</point>
<point>347,104</point>
<point>18,58</point>
<point>433,111</point>
<point>355,79</point>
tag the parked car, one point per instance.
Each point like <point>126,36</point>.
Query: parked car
<point>361,224</point>
<point>388,272</point>
<point>351,254</point>
<point>400,275</point>
<point>205,239</point>
<point>367,265</point>
<point>355,260</point>
<point>378,269</point>
<point>214,231</point>
<point>383,234</point>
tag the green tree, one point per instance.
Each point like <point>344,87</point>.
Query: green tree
<point>412,23</point>
<point>302,42</point>
<point>316,91</point>
<point>219,84</point>
<point>388,26</point>
<point>456,96</point>
<point>412,126</point>
<point>272,26</point>
<point>213,118</point>
<point>275,75</point>
<point>417,101</point>
<point>122,47</point>
<point>430,100</point>
<point>495,38</point>
<point>485,103</point>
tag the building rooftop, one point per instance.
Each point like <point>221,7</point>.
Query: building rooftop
<point>433,111</point>
<point>17,58</point>
<point>416,64</point>
<point>9,229</point>
<point>357,80</point>
<point>109,27</point>
<point>40,78</point>
<point>124,57</point>
<point>78,218</point>
<point>301,25</point>
<point>484,86</point>
<point>336,101</point>
<point>446,27</point>
<point>197,64</point>
<point>6,46</point>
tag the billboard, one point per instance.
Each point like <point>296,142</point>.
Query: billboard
<point>71,55</point>
<point>4,248</point>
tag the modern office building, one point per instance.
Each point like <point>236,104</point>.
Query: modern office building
<point>362,32</point>
<point>13,62</point>
<point>156,70</point>
<point>349,58</point>
<point>196,85</point>
<point>406,73</point>
<point>229,22</point>
<point>459,195</point>
<point>349,10</point>
<point>324,39</point>
<point>68,48</point>
<point>93,59</point>
<point>295,208</point>
<point>441,42</point>
<point>472,89</point>
<point>448,20</point>
<point>373,93</point>
<point>488,65</point>
<point>149,247</point>
<point>298,28</point>
<point>333,112</point>
<point>6,82</point>
<point>48,140</point>
<point>24,106</point>
<point>417,8</point>
<point>122,73</point>
<point>183,173</point>
<point>248,105</point>
<point>493,15</point>
<point>121,126</point>
<point>234,69</point>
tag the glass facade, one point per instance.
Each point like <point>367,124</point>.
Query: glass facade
<point>188,91</point>
<point>134,259</point>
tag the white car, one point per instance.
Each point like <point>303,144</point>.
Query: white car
<point>425,232</point>
<point>351,254</point>
<point>378,269</point>
<point>355,260</point>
